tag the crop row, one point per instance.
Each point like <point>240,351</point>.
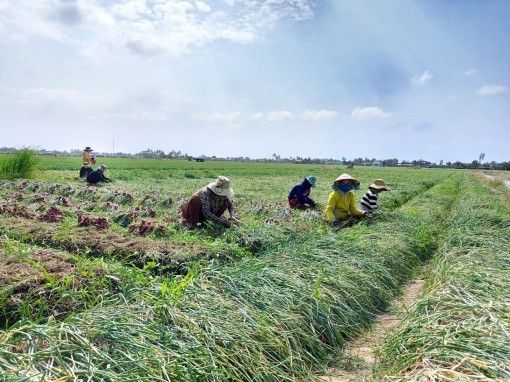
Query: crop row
<point>460,329</point>
<point>280,316</point>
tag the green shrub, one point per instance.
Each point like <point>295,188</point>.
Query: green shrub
<point>21,164</point>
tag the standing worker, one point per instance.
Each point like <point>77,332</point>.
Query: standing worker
<point>86,160</point>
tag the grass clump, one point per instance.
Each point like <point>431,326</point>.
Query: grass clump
<point>21,164</point>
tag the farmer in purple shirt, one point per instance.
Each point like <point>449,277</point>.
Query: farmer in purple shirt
<point>299,195</point>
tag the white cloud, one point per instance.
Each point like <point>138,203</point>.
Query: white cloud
<point>369,113</point>
<point>224,118</point>
<point>278,116</point>
<point>320,115</point>
<point>492,89</point>
<point>170,26</point>
<point>202,7</point>
<point>422,79</point>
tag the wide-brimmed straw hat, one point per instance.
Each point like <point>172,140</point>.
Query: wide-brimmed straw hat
<point>354,181</point>
<point>311,179</point>
<point>379,185</point>
<point>103,168</point>
<point>88,149</point>
<point>221,187</point>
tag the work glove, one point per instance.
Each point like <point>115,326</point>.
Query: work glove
<point>368,215</point>
<point>335,223</point>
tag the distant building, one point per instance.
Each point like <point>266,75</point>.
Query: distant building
<point>377,163</point>
<point>200,159</point>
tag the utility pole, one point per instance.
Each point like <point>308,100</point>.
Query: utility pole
<point>113,142</point>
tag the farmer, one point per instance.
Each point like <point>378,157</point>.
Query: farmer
<point>86,159</point>
<point>369,200</point>
<point>341,207</point>
<point>98,176</point>
<point>209,203</point>
<point>299,195</point>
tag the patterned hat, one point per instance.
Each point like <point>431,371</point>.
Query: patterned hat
<point>221,187</point>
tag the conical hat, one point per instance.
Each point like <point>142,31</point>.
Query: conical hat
<point>379,185</point>
<point>347,177</point>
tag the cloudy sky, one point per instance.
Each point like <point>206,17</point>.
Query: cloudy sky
<point>406,79</point>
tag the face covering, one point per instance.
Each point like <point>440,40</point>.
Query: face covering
<point>345,187</point>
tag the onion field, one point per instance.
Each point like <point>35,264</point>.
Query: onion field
<point>104,283</point>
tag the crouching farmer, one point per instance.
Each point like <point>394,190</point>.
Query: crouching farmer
<point>98,176</point>
<point>299,195</point>
<point>209,203</point>
<point>369,200</point>
<point>341,209</point>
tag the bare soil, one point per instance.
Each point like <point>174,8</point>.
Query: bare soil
<point>29,280</point>
<point>360,354</point>
<point>132,249</point>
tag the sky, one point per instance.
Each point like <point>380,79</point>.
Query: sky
<point>405,79</point>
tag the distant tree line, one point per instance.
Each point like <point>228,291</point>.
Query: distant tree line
<point>177,154</point>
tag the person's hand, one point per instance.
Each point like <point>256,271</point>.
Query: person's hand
<point>233,220</point>
<point>335,223</point>
<point>368,215</point>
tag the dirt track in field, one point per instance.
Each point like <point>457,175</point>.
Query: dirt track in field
<point>361,351</point>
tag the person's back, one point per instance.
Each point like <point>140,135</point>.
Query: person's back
<point>371,197</point>
<point>85,156</point>
<point>97,175</point>
<point>369,201</point>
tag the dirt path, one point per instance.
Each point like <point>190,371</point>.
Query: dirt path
<point>360,353</point>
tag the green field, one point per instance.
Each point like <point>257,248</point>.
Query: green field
<point>104,283</point>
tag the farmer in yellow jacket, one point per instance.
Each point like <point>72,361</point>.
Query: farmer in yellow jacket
<point>86,160</point>
<point>341,207</point>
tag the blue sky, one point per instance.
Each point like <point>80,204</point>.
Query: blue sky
<point>403,79</point>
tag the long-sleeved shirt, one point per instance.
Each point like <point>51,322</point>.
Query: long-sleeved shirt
<point>85,157</point>
<point>301,192</point>
<point>97,176</point>
<point>341,206</point>
<point>212,204</point>
<point>369,201</point>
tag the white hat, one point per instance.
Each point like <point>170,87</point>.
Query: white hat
<point>221,187</point>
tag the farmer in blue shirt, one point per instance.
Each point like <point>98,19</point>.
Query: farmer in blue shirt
<point>299,195</point>
<point>98,175</point>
